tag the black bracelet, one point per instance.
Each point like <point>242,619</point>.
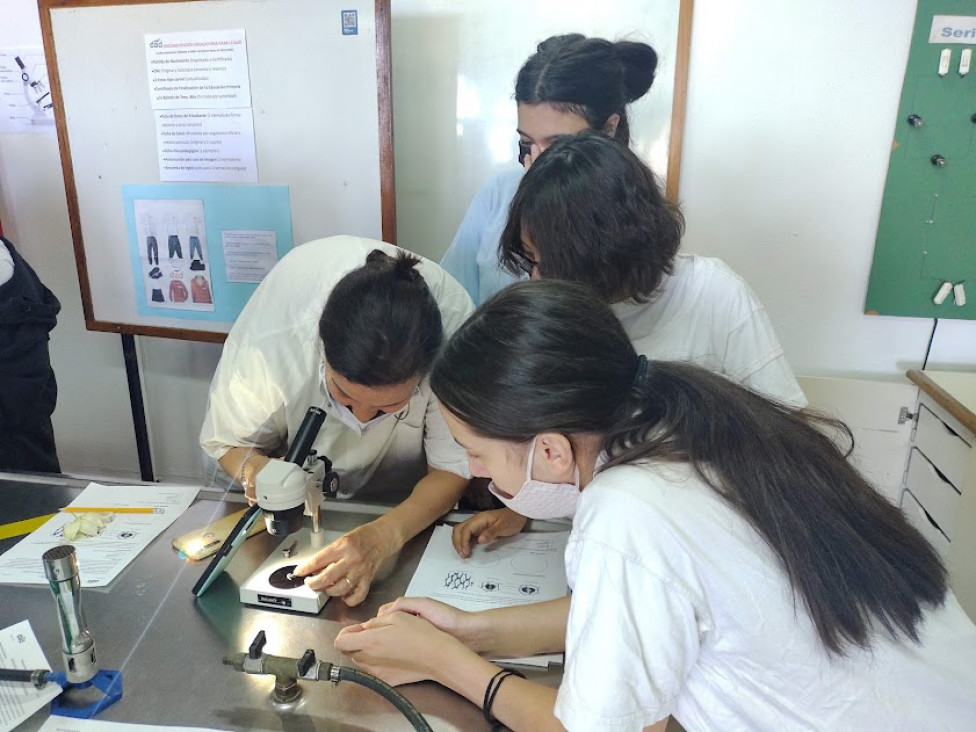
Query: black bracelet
<point>491,691</point>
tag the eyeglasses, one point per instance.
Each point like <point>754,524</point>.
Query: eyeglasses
<point>524,262</point>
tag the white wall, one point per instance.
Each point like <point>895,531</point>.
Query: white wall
<point>790,117</point>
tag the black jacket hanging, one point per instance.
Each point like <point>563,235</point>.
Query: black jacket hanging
<point>28,389</point>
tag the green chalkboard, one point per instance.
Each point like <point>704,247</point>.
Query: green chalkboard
<point>927,229</point>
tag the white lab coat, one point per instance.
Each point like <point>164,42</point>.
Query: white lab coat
<point>269,375</point>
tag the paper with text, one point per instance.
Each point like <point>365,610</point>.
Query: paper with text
<point>19,649</point>
<point>138,515</point>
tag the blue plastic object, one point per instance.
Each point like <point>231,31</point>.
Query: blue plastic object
<point>106,681</point>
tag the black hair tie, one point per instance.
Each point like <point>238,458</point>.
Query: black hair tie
<point>641,373</point>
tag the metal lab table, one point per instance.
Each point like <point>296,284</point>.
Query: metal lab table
<point>170,646</point>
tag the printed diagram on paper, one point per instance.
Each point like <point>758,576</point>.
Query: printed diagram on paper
<point>522,569</point>
<point>25,97</point>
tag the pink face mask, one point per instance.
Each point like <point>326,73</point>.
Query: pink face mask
<point>540,500</point>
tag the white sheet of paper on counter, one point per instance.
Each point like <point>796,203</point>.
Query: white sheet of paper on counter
<point>68,724</point>
<point>139,514</point>
<point>519,570</point>
<point>19,649</point>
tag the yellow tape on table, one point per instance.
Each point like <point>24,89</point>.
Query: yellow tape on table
<point>19,528</point>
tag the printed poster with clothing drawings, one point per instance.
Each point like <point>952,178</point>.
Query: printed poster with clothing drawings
<point>529,567</point>
<point>172,254</point>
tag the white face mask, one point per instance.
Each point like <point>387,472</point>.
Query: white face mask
<point>540,500</point>
<point>345,415</point>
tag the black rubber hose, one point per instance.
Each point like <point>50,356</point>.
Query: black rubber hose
<point>30,676</point>
<point>387,692</point>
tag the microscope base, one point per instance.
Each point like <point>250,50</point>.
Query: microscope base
<point>269,586</point>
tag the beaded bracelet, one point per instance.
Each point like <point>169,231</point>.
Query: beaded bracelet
<point>242,475</point>
<point>491,691</point>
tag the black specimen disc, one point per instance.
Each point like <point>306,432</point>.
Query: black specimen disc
<point>280,580</point>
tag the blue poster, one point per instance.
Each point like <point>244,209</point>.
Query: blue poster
<point>199,251</point>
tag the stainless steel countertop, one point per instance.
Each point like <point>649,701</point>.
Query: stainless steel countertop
<point>169,645</point>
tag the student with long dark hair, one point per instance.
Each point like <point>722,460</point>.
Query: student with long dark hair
<point>351,325</point>
<point>571,83</point>
<point>728,566</point>
<point>589,210</point>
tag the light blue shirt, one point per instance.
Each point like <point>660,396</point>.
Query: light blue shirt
<point>472,258</point>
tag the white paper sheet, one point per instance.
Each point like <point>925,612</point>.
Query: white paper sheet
<point>67,724</point>
<point>26,106</point>
<point>249,255</point>
<point>198,70</point>
<point>100,558</point>
<point>516,571</point>
<point>206,145</point>
<point>19,649</point>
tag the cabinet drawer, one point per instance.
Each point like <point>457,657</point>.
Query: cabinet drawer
<point>944,448</point>
<point>917,518</point>
<point>933,491</point>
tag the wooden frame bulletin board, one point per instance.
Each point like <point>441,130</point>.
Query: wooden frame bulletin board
<point>323,137</point>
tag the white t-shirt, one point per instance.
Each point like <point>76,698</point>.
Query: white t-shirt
<point>679,607</point>
<point>269,375</point>
<point>706,314</point>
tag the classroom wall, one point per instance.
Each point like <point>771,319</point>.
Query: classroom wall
<point>790,116</point>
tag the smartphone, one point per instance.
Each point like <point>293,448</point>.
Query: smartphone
<point>201,543</point>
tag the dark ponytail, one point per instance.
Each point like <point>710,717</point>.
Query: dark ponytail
<point>550,356</point>
<point>591,77</point>
<point>381,325</point>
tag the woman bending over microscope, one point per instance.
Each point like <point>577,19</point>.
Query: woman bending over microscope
<point>351,325</point>
<point>728,566</point>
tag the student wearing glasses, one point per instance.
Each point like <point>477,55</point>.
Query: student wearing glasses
<point>728,565</point>
<point>589,210</point>
<point>351,325</point>
<point>571,83</point>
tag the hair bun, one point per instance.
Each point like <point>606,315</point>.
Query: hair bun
<point>640,64</point>
<point>402,265</point>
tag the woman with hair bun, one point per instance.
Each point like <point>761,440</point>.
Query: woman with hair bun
<point>350,325</point>
<point>571,83</point>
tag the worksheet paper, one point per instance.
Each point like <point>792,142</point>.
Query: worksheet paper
<point>67,724</point>
<point>522,569</point>
<point>138,515</point>
<point>19,649</point>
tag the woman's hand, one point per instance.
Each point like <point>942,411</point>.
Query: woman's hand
<point>400,648</point>
<point>346,567</point>
<point>461,624</point>
<point>486,527</point>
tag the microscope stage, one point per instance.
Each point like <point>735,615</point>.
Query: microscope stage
<point>270,585</point>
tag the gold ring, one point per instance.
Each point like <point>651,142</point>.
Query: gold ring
<point>349,582</point>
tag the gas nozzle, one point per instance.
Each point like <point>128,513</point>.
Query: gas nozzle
<point>77,644</point>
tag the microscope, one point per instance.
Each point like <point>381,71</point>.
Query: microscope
<point>288,489</point>
<point>285,491</point>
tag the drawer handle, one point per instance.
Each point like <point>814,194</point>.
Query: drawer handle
<point>946,426</point>
<point>932,521</point>
<point>941,475</point>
